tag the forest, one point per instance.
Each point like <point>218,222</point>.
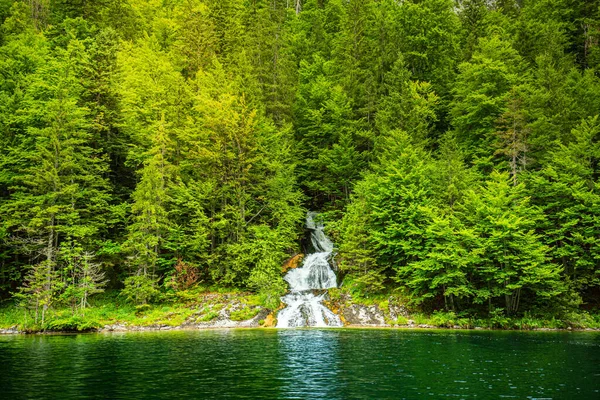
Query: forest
<point>452,147</point>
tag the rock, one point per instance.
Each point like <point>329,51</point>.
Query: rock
<point>114,328</point>
<point>270,321</point>
<point>223,318</point>
<point>397,311</point>
<point>358,314</point>
<point>292,263</point>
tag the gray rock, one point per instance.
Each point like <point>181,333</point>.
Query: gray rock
<point>223,319</point>
<point>357,314</point>
<point>398,311</point>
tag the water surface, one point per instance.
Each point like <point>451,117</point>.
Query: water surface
<point>302,364</point>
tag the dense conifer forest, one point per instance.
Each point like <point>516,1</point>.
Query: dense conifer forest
<point>453,148</point>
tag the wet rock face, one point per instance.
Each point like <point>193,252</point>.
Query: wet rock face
<point>292,263</point>
<point>305,301</point>
<point>358,314</point>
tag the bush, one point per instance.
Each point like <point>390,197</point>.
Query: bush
<point>335,294</point>
<point>208,314</point>
<point>72,323</point>
<point>244,314</point>
<point>498,319</point>
<point>270,288</point>
<point>140,289</point>
<point>443,319</point>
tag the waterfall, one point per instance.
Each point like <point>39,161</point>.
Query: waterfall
<point>304,303</point>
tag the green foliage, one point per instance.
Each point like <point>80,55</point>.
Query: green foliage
<point>567,190</point>
<point>161,145</point>
<point>244,314</point>
<point>140,289</point>
<point>72,323</point>
<point>514,258</point>
<point>481,93</point>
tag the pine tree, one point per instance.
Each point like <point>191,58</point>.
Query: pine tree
<point>395,195</point>
<point>452,177</point>
<point>22,53</point>
<point>150,223</point>
<point>409,106</point>
<point>513,261</point>
<point>326,134</point>
<point>81,276</point>
<point>512,136</point>
<point>567,190</point>
<point>445,266</point>
<point>197,35</point>
<point>38,290</point>
<point>62,192</point>
<point>357,256</point>
<point>429,37</point>
<point>481,94</point>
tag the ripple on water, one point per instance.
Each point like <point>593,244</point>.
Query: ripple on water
<point>301,364</point>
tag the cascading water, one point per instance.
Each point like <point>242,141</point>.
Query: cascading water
<point>304,304</point>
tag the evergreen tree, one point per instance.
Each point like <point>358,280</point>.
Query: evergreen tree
<point>429,37</point>
<point>409,105</point>
<point>481,94</point>
<point>395,195</point>
<point>567,190</point>
<point>150,223</point>
<point>62,192</point>
<point>513,262</point>
<point>326,134</point>
<point>445,266</point>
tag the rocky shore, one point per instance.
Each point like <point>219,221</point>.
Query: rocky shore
<point>232,315</point>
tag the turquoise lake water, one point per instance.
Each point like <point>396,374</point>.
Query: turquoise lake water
<point>302,364</point>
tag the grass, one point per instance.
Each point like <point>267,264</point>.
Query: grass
<point>245,313</point>
<point>111,309</point>
<point>205,304</point>
<point>345,297</point>
<point>440,319</point>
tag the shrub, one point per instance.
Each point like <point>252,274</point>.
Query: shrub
<point>443,319</point>
<point>244,314</point>
<point>140,289</point>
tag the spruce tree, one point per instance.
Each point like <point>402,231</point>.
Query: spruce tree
<point>567,190</point>
<point>62,193</point>
<point>514,264</point>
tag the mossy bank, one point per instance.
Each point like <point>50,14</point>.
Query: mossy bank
<point>206,308</point>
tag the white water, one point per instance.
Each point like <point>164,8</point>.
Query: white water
<point>304,307</point>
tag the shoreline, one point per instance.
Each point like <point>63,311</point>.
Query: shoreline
<point>211,310</point>
<point>181,328</point>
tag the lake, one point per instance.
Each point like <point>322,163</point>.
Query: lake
<point>302,364</point>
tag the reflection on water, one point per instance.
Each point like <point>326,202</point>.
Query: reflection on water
<point>309,363</point>
<point>302,364</point>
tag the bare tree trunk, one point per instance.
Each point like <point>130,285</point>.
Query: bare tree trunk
<point>513,163</point>
<point>38,12</point>
<point>49,261</point>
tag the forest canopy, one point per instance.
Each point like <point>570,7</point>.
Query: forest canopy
<point>453,148</point>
